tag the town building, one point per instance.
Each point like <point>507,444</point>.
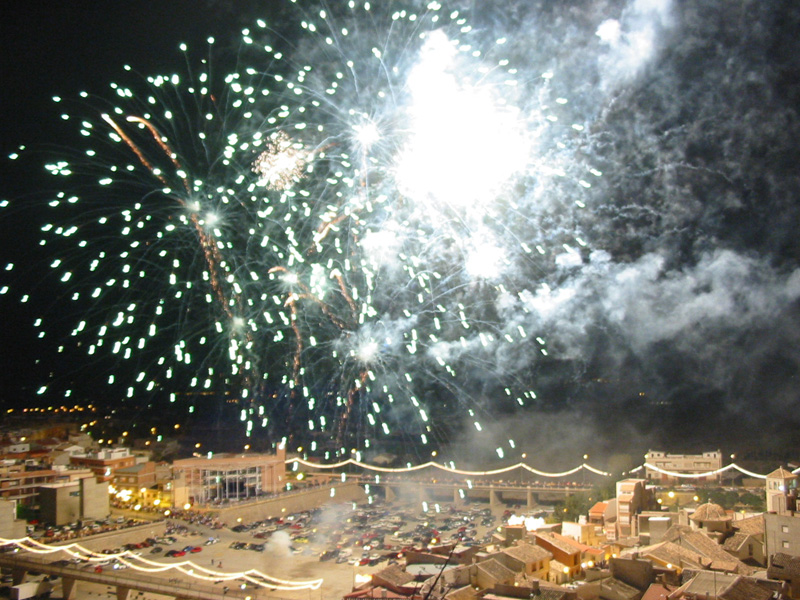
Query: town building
<point>781,490</point>
<point>532,590</point>
<point>712,519</point>
<point>104,462</point>
<point>723,586</point>
<point>710,552</point>
<point>782,521</point>
<point>20,482</point>
<point>785,567</point>
<point>67,502</point>
<point>694,464</point>
<point>582,531</point>
<point>782,534</point>
<point>531,560</point>
<point>231,477</point>
<point>59,455</point>
<point>566,563</point>
<point>16,448</point>
<point>147,484</point>
<point>633,497</point>
<point>653,525</point>
<point>135,477</point>
<point>11,528</point>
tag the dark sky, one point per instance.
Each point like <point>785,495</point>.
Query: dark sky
<point>63,48</point>
<point>681,323</point>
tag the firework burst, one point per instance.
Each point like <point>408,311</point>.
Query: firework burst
<point>339,233</point>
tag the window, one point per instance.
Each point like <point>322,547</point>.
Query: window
<point>785,528</point>
<point>785,544</point>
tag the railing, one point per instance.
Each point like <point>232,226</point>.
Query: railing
<point>173,586</point>
<point>146,583</point>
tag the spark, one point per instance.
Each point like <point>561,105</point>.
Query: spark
<point>345,243</point>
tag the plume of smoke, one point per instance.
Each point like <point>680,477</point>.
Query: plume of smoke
<point>632,40</point>
<point>279,544</point>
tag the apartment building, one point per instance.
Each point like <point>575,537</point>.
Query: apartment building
<point>657,461</point>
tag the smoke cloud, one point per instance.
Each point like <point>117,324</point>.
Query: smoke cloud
<point>676,324</point>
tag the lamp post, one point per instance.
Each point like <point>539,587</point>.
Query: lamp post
<point>583,470</point>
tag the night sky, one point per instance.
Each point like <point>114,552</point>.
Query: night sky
<point>677,327</point>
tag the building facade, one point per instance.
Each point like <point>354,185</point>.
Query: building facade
<point>781,491</point>
<point>63,503</point>
<point>231,477</point>
<point>10,527</point>
<point>633,497</point>
<point>104,462</point>
<point>782,521</point>
<point>681,463</point>
<point>782,534</point>
<point>21,484</point>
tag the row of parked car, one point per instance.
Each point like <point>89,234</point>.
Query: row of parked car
<point>183,552</point>
<point>77,529</point>
<point>247,546</point>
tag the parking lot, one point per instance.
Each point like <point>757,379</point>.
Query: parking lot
<point>338,543</point>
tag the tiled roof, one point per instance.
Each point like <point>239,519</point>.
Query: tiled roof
<point>702,544</point>
<point>394,575</point>
<point>568,540</point>
<point>709,582</point>
<point>709,512</point>
<point>781,473</point>
<point>673,554</point>
<point>375,592</point>
<point>540,594</point>
<point>466,592</point>
<point>528,552</point>
<point>751,525</point>
<point>599,508</point>
<point>784,566</point>
<point>550,594</point>
<point>617,588</point>
<point>657,591</point>
<point>743,589</point>
<point>735,542</point>
<point>495,570</point>
<point>564,546</point>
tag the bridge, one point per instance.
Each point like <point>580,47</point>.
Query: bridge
<point>21,564</point>
<point>460,492</point>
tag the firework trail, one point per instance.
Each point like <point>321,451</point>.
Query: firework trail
<point>341,231</point>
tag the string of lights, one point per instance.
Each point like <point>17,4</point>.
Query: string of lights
<point>442,467</point>
<point>519,465</point>
<point>188,567</point>
<point>699,475</point>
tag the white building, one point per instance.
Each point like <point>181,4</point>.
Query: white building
<point>657,461</point>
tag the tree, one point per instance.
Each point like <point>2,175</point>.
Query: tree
<point>573,507</point>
